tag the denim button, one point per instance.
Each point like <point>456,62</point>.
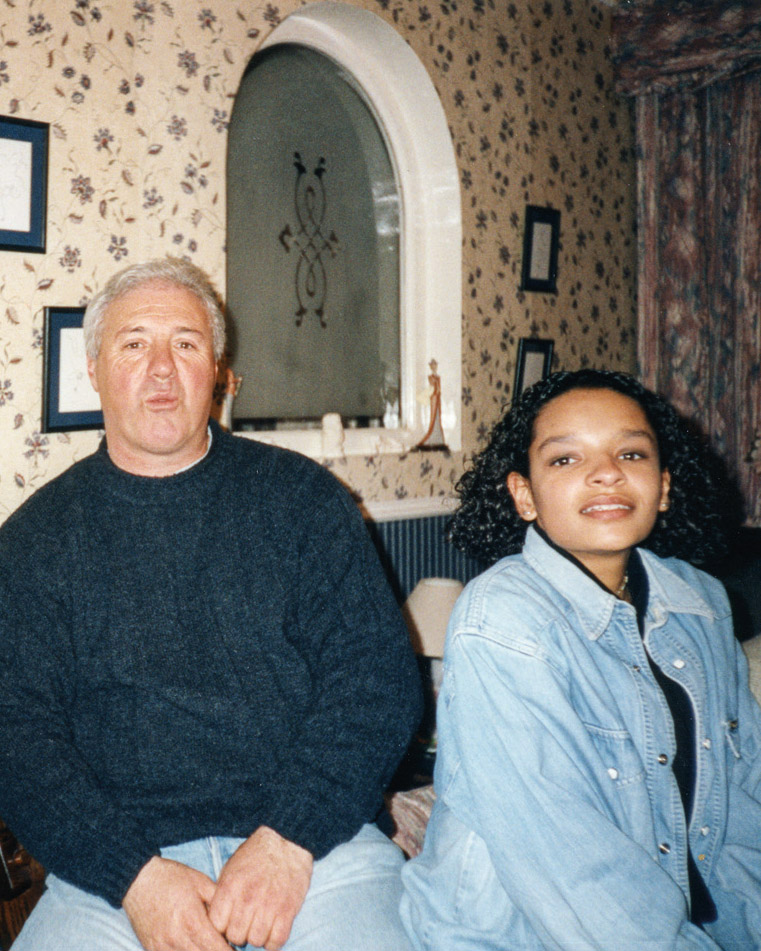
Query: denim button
<point>663,759</point>
<point>706,744</point>
<point>665,848</point>
<point>704,830</point>
<point>679,663</point>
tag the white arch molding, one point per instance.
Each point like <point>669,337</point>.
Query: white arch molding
<point>410,115</point>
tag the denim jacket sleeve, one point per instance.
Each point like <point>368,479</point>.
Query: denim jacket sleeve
<point>736,879</point>
<point>541,792</point>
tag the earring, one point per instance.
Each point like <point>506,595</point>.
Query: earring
<point>664,506</point>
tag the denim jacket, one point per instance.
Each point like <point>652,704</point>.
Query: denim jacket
<point>558,822</point>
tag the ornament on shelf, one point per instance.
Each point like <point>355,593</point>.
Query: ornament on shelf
<point>434,436</point>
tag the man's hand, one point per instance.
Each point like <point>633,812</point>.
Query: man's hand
<point>167,908</point>
<point>260,890</point>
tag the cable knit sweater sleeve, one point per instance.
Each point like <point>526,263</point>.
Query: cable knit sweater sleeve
<point>191,656</point>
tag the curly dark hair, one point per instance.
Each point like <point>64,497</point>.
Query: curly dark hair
<point>703,507</point>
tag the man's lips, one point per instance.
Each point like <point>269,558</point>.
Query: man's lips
<point>161,401</point>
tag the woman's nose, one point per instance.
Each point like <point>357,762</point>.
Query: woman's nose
<point>606,471</point>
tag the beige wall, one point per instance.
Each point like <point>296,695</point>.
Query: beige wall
<point>137,93</point>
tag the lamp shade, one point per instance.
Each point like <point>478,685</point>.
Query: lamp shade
<point>427,612</point>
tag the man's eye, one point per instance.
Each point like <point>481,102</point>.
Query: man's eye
<point>561,461</point>
<point>633,454</point>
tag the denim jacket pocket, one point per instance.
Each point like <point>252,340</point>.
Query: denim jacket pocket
<point>618,755</point>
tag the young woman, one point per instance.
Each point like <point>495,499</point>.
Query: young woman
<point>598,774</point>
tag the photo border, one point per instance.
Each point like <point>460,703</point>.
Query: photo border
<point>53,419</point>
<point>534,216</point>
<point>37,134</point>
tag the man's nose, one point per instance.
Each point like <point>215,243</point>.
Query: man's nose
<point>162,361</point>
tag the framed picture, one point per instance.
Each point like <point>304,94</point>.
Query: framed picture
<point>23,184</point>
<point>68,399</point>
<point>541,238</point>
<point>533,363</point>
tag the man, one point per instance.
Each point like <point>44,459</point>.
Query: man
<point>205,684</point>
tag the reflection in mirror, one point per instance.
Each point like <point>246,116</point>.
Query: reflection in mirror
<point>313,248</point>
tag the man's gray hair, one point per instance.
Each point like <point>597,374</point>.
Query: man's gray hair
<point>173,271</point>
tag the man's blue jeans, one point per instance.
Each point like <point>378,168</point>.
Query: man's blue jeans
<point>353,902</point>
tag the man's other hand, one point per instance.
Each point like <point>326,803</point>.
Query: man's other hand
<point>260,890</point>
<point>167,908</point>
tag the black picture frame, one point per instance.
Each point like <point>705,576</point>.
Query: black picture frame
<point>532,364</point>
<point>68,400</point>
<point>23,178</point>
<point>541,239</point>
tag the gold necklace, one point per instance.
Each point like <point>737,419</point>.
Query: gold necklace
<point>621,591</point>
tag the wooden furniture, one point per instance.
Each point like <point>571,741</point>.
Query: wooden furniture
<point>21,884</point>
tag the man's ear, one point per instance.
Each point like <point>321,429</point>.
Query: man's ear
<point>91,373</point>
<point>520,489</point>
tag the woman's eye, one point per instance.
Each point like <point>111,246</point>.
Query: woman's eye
<point>633,454</point>
<point>561,461</point>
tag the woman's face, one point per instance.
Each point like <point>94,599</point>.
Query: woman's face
<point>595,482</point>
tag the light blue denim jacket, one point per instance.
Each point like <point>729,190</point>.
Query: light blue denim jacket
<point>558,822</point>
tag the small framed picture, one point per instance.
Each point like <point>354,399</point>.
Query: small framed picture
<point>541,237</point>
<point>68,400</point>
<point>23,184</point>
<point>533,363</point>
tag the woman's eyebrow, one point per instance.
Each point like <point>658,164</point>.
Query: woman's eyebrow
<point>551,440</point>
<point>637,434</point>
<point>623,434</point>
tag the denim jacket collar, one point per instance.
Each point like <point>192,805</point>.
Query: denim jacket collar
<point>593,605</point>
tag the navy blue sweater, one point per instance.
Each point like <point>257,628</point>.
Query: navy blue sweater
<point>196,655</point>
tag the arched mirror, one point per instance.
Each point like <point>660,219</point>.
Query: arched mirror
<point>344,237</point>
<point>313,255</point>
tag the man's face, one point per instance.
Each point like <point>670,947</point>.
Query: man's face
<point>155,374</point>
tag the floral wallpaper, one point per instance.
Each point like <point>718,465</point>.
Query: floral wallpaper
<point>138,94</point>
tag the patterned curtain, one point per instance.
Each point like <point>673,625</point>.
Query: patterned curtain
<point>694,68</point>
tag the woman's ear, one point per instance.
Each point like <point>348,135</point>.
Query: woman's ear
<point>665,487</point>
<point>520,489</point>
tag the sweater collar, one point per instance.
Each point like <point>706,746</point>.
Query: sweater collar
<point>149,488</point>
<point>209,438</point>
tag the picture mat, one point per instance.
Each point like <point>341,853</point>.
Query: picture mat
<point>15,185</point>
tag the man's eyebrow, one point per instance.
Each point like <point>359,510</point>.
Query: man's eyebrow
<point>623,434</point>
<point>141,329</point>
